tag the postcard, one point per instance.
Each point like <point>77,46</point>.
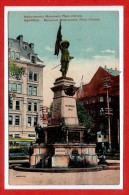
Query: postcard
<point>64,79</point>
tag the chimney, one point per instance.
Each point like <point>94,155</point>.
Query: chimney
<point>31,46</point>
<point>20,38</point>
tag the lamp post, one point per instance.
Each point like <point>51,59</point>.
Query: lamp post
<point>108,110</point>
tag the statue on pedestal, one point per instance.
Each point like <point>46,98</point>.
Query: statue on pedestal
<point>63,47</point>
<point>65,57</point>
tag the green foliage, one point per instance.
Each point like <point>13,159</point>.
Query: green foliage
<point>50,111</point>
<point>15,71</point>
<point>84,118</point>
<point>21,139</point>
<point>19,153</point>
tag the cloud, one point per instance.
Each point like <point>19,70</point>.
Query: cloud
<point>108,51</point>
<point>88,49</point>
<point>48,48</point>
<point>103,57</point>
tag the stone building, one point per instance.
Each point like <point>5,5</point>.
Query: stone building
<point>25,110</point>
<point>94,98</point>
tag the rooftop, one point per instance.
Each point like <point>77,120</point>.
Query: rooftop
<point>24,50</point>
<point>113,72</point>
<point>96,85</point>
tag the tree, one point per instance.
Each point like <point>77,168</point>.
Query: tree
<point>86,120</point>
<point>50,111</point>
<point>15,71</point>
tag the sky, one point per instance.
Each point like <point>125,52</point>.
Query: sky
<point>93,37</point>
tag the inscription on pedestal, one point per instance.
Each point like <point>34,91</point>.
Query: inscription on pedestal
<point>70,107</point>
<point>60,151</point>
<point>64,106</point>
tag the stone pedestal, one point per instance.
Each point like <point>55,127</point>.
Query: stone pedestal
<point>64,106</point>
<point>64,151</point>
<point>64,138</point>
<point>60,161</point>
<point>38,153</point>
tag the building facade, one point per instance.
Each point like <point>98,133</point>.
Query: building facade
<point>101,98</point>
<point>25,108</point>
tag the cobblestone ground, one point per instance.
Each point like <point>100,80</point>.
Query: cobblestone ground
<point>105,177</point>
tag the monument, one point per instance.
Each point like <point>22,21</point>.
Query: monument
<point>61,144</point>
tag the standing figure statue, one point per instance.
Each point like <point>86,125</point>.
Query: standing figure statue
<point>65,57</point>
<point>63,47</point>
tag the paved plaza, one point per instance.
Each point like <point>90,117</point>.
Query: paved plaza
<point>104,177</point>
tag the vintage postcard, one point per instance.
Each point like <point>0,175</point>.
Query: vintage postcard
<point>64,110</point>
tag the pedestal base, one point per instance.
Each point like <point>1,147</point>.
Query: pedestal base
<point>64,106</point>
<point>60,161</point>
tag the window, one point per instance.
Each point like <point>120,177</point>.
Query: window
<point>17,120</point>
<point>30,75</point>
<point>16,87</point>
<point>25,47</point>
<point>13,55</point>
<point>10,120</point>
<point>101,99</point>
<point>35,107</point>
<point>35,77</point>
<point>10,136</point>
<point>11,103</point>
<point>33,59</point>
<point>17,105</point>
<point>10,86</point>
<point>32,90</point>
<point>19,88</point>
<point>102,111</point>
<point>17,55</point>
<point>16,135</point>
<point>93,99</point>
<point>29,121</point>
<point>29,106</point>
<point>35,121</point>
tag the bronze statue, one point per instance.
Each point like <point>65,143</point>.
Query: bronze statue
<point>65,57</point>
<point>63,47</point>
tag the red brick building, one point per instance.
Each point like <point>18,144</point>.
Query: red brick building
<point>94,98</point>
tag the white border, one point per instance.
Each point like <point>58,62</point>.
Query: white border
<point>60,8</point>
